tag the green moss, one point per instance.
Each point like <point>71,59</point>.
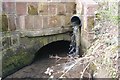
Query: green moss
<point>54,38</point>
<point>93,67</point>
<point>32,10</point>
<point>60,37</point>
<point>11,64</point>
<point>4,22</point>
<point>45,40</point>
<point>91,22</point>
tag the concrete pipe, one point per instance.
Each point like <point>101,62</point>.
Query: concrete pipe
<point>76,21</point>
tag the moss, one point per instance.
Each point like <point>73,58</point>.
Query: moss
<point>4,22</point>
<point>91,22</point>
<point>93,67</point>
<point>13,63</point>
<point>45,40</point>
<point>32,10</point>
<point>60,37</point>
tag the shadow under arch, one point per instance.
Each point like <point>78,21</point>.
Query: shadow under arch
<point>61,48</point>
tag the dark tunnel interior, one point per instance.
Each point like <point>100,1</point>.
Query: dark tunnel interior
<point>61,48</point>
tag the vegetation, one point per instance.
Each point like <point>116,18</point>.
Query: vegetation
<point>105,46</point>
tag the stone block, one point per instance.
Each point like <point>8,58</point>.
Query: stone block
<point>15,39</point>
<point>21,8</point>
<point>43,8</point>
<point>4,22</point>
<point>12,22</point>
<point>90,23</point>
<point>90,37</point>
<point>50,39</point>
<point>38,24</point>
<point>18,22</point>
<point>60,37</point>
<point>29,22</point>
<point>8,7</point>
<point>79,8</point>
<point>9,52</point>
<point>91,8</point>
<point>21,22</point>
<point>45,21</point>
<point>52,8</point>
<point>45,41</point>
<point>70,7</point>
<point>32,8</point>
<point>67,20</point>
<point>67,37</point>
<point>62,20</point>
<point>6,42</point>
<point>54,21</point>
<point>61,9</point>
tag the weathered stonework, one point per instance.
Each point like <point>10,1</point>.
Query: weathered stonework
<point>12,23</point>
<point>14,59</point>
<point>21,8</point>
<point>29,26</point>
<point>43,8</point>
<point>4,22</point>
<point>61,9</point>
<point>8,7</point>
<point>70,8</point>
<point>87,11</point>
<point>33,8</point>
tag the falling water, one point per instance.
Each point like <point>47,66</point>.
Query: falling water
<point>75,40</point>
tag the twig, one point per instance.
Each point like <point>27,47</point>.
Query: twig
<point>57,57</point>
<point>70,68</point>
<point>86,57</point>
<point>84,70</point>
<point>67,70</point>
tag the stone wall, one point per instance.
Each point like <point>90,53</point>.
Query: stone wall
<point>23,24</point>
<point>37,17</point>
<point>87,11</point>
<point>17,57</point>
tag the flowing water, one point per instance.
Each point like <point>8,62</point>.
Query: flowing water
<point>75,41</point>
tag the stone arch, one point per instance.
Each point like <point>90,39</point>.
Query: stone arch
<point>24,54</point>
<point>54,48</point>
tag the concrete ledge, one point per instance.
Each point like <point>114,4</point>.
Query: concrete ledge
<point>45,32</point>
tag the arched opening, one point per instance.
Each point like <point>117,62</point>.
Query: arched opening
<point>60,48</point>
<point>42,61</point>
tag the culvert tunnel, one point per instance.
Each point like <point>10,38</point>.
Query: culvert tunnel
<point>42,61</point>
<point>60,48</point>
